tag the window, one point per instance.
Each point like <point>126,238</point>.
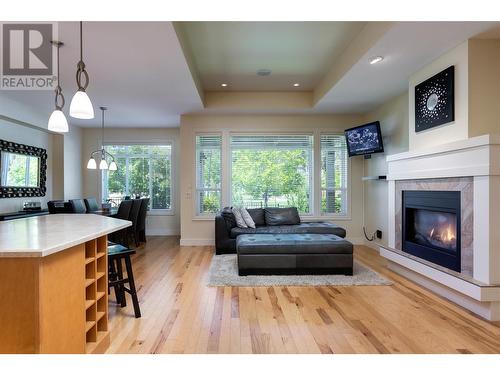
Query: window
<point>272,171</point>
<point>143,170</point>
<point>333,175</point>
<point>208,173</point>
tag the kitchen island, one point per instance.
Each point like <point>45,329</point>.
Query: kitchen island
<point>53,283</point>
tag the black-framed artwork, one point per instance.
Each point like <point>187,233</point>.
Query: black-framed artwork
<point>35,177</point>
<point>435,100</point>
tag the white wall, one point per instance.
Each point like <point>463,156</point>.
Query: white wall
<point>453,131</point>
<point>156,224</point>
<point>393,117</point>
<point>25,135</point>
<point>196,231</point>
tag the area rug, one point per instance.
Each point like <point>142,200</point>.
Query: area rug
<point>224,272</point>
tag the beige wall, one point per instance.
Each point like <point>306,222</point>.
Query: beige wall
<point>393,117</point>
<point>453,131</point>
<point>196,231</point>
<point>156,224</point>
<point>484,86</point>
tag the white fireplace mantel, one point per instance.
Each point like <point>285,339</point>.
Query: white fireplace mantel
<point>479,158</point>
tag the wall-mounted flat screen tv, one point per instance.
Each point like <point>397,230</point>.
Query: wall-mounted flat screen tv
<point>364,139</point>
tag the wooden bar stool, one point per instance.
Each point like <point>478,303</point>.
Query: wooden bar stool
<point>117,281</point>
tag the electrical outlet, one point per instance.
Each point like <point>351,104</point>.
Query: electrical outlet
<point>379,234</point>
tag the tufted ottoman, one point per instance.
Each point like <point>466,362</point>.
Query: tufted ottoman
<point>293,254</point>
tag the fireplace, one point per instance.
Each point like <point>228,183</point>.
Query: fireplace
<point>431,226</point>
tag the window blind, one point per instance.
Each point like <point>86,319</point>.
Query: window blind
<point>208,173</point>
<point>334,170</point>
<point>272,171</point>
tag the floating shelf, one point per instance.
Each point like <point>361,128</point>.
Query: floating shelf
<point>374,178</point>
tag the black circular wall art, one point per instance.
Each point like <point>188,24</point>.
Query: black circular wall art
<point>435,100</point>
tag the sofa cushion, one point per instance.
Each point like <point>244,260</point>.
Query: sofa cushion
<point>282,216</point>
<point>292,244</point>
<point>229,218</point>
<point>258,216</point>
<point>313,228</point>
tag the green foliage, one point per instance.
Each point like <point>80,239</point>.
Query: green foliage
<point>262,178</point>
<point>141,165</point>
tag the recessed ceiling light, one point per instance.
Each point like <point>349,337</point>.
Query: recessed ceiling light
<point>264,72</point>
<point>224,84</point>
<point>296,84</point>
<point>376,59</point>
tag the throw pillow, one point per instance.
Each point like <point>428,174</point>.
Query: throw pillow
<point>248,219</point>
<point>239,219</point>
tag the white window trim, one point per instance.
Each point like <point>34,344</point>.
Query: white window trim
<point>152,212</point>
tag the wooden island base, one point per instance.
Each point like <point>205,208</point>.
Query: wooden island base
<point>57,303</point>
<point>54,283</point>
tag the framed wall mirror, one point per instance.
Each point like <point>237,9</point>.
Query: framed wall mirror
<point>23,170</point>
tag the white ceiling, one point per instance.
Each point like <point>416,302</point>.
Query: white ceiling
<point>232,52</point>
<point>137,69</point>
<point>407,47</point>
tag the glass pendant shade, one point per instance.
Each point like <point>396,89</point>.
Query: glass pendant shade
<point>81,106</point>
<point>91,164</point>
<point>112,166</point>
<point>58,122</point>
<point>103,164</point>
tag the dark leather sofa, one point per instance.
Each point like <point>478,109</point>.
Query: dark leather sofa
<point>226,230</point>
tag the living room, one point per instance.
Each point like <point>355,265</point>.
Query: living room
<point>253,186</point>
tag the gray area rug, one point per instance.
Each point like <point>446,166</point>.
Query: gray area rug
<point>224,272</point>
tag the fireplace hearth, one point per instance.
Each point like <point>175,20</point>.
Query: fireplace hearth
<point>431,226</point>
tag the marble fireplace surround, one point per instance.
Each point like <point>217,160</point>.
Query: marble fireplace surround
<point>466,187</point>
<point>472,167</point>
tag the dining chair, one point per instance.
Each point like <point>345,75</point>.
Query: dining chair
<point>59,207</point>
<point>141,221</point>
<point>78,206</point>
<point>134,217</point>
<point>91,205</point>
<point>123,213</point>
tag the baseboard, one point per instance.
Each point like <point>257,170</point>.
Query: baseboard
<point>355,240</point>
<point>162,232</point>
<point>372,244</point>
<point>197,242</point>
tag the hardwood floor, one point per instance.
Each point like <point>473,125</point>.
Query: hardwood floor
<point>180,314</point>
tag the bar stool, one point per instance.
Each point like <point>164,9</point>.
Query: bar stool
<point>117,281</point>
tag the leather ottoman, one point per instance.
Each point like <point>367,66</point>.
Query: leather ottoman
<point>293,254</point>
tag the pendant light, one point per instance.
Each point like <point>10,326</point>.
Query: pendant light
<point>81,106</point>
<point>103,164</point>
<point>57,120</point>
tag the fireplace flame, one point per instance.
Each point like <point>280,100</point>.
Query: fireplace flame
<point>446,235</point>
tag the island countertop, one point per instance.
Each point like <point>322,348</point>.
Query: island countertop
<point>41,236</point>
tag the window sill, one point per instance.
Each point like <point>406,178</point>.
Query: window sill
<point>161,213</point>
<point>204,218</point>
